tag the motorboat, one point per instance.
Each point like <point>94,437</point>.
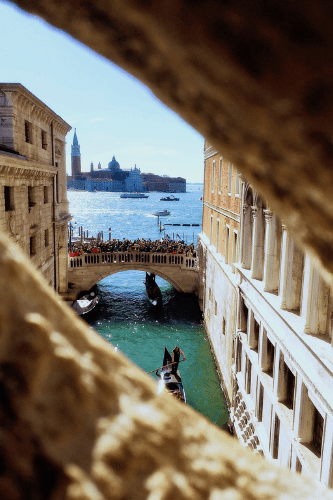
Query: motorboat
<point>169,198</point>
<point>162,213</point>
<point>170,378</point>
<point>134,195</point>
<point>86,303</point>
<point>153,290</point>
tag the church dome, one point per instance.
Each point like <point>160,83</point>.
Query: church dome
<point>113,164</point>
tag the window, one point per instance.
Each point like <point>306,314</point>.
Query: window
<point>234,250</point>
<point>211,230</point>
<point>227,233</point>
<point>248,376</point>
<point>237,184</point>
<point>229,177</point>
<point>32,246</point>
<point>43,137</point>
<point>276,437</point>
<point>290,387</point>
<point>28,132</point>
<point>270,357</point>
<point>239,356</point>
<point>220,174</point>
<point>318,425</point>
<point>46,238</point>
<point>213,176</point>
<point>31,197</point>
<point>255,338</point>
<point>9,198</point>
<point>46,194</point>
<point>223,325</point>
<point>260,402</point>
<point>217,235</point>
<point>243,315</point>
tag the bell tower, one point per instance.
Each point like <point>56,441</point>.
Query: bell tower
<point>76,157</point>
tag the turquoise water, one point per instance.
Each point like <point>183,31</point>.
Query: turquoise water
<point>125,317</point>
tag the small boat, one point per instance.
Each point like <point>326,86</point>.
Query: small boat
<point>152,289</point>
<point>170,378</point>
<point>86,303</point>
<point>169,198</point>
<point>134,195</point>
<point>162,213</point>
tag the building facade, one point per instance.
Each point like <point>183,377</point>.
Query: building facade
<point>165,184</point>
<point>33,197</point>
<point>218,253</point>
<point>276,356</point>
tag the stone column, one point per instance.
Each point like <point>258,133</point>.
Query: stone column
<point>271,281</point>
<point>309,294</point>
<point>285,261</point>
<point>257,244</point>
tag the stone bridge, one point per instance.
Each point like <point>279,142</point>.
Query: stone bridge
<point>88,269</point>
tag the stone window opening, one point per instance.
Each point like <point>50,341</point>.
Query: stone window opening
<point>229,178</point>
<point>32,246</point>
<point>227,236</point>
<point>289,387</point>
<point>31,197</point>
<point>237,184</point>
<point>243,315</point>
<point>317,432</point>
<point>276,438</point>
<point>44,139</point>
<point>220,174</point>
<point>254,334</point>
<point>260,402</point>
<point>213,176</point>
<point>223,325</point>
<point>9,198</point>
<point>46,194</point>
<point>28,132</point>
<point>248,376</point>
<point>270,355</point>
<point>217,235</point>
<point>46,238</point>
<point>239,356</point>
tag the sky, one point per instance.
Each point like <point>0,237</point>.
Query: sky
<point>113,113</point>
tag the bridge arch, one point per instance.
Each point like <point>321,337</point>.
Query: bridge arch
<point>178,270</point>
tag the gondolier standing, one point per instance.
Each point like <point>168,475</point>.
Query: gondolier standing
<point>175,358</point>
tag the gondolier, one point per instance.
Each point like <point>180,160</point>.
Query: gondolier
<point>175,358</point>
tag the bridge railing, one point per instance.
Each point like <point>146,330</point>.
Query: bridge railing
<point>109,258</point>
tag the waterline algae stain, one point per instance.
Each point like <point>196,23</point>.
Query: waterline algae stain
<point>125,317</point>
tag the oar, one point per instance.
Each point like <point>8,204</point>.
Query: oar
<point>170,364</point>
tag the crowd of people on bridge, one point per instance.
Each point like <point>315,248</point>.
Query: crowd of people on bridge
<point>164,245</point>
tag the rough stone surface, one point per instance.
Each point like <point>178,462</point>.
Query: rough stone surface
<point>79,421</point>
<point>256,78</point>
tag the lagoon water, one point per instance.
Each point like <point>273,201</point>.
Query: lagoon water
<point>125,317</point>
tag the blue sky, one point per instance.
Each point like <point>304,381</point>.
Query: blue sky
<point>113,113</point>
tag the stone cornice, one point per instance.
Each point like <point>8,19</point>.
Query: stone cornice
<point>210,151</point>
<point>25,98</point>
<point>25,170</point>
<point>223,211</point>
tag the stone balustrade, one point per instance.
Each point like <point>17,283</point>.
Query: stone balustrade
<point>109,258</point>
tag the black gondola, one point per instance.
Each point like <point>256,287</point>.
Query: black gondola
<point>170,377</point>
<point>152,289</point>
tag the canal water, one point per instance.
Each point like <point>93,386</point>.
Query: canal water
<point>125,317</point>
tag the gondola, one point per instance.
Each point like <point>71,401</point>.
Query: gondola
<point>152,289</point>
<point>170,378</point>
<point>86,303</point>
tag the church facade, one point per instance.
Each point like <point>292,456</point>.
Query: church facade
<point>112,178</point>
